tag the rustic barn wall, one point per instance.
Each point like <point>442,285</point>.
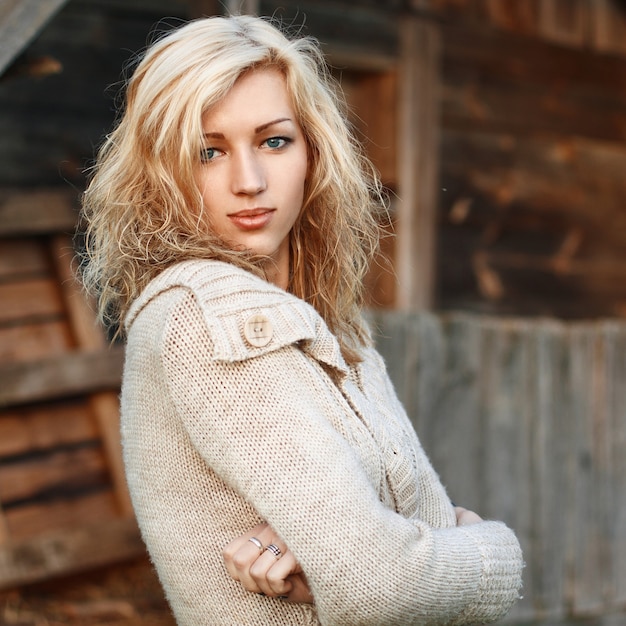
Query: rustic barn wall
<point>63,500</point>
<point>532,216</point>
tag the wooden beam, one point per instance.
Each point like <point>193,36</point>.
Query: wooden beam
<point>69,551</point>
<point>37,212</point>
<point>418,171</point>
<point>60,376</point>
<point>89,336</point>
<point>20,21</point>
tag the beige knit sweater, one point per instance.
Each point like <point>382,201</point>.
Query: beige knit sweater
<point>237,406</point>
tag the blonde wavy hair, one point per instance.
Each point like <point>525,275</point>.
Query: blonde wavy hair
<point>142,208</point>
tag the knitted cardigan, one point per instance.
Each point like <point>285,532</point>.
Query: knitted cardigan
<point>222,429</point>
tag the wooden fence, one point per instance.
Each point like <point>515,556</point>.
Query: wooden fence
<point>526,422</point>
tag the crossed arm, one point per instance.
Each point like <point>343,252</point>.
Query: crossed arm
<point>260,570</point>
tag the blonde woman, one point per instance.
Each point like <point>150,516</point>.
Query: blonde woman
<point>275,476</point>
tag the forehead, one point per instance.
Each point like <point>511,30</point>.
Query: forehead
<point>256,98</point>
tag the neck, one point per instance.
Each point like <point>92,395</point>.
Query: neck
<point>277,272</point>
<point>277,266</point>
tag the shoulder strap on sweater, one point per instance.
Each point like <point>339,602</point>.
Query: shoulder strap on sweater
<point>246,316</point>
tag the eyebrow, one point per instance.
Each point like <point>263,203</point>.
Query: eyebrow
<point>257,130</point>
<point>262,127</point>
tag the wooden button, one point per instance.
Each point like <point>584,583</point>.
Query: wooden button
<point>258,331</point>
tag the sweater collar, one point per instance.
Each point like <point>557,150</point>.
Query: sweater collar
<point>229,297</point>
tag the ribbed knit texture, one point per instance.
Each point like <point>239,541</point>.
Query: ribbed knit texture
<point>219,434</point>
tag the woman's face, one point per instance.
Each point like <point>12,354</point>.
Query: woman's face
<point>253,168</point>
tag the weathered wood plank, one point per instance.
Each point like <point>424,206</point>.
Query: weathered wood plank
<point>43,428</point>
<point>68,551</point>
<point>564,21</point>
<point>512,15</point>
<point>369,33</point>
<point>541,214</point>
<point>586,544</point>
<point>369,93</point>
<point>517,109</point>
<point>30,342</point>
<point>22,257</point>
<point>37,212</point>
<point>33,519</point>
<point>60,376</point>
<point>453,438</point>
<point>498,57</point>
<point>548,484</point>
<point>4,531</point>
<point>615,338</point>
<point>30,300</point>
<point>81,312</point>
<point>48,476</point>
<point>494,82</point>
<point>608,26</point>
<point>89,336</point>
<point>204,8</point>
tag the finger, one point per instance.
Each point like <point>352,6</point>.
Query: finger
<point>300,591</point>
<point>247,561</point>
<point>241,540</point>
<point>279,575</point>
<point>465,516</point>
<point>240,553</point>
<point>270,572</point>
<point>469,517</point>
<point>245,557</point>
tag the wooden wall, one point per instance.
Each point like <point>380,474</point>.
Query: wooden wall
<point>532,113</point>
<point>63,500</point>
<point>532,219</point>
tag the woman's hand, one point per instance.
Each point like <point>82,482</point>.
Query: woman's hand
<point>465,516</point>
<point>273,572</point>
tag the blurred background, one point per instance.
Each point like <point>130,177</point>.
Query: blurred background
<point>499,130</point>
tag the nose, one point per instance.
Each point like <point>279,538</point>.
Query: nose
<point>248,175</point>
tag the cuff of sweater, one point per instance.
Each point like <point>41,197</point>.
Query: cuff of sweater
<point>500,579</point>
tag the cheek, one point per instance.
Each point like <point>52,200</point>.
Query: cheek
<point>207,187</point>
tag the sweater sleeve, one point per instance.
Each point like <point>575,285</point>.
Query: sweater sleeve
<point>267,426</point>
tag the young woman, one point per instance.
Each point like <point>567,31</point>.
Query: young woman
<point>275,476</point>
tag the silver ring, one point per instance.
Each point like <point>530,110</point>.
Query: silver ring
<point>257,543</point>
<point>275,550</point>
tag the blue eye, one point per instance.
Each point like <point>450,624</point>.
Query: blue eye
<point>277,142</point>
<point>208,154</point>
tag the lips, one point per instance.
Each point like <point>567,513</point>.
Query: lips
<point>252,219</point>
